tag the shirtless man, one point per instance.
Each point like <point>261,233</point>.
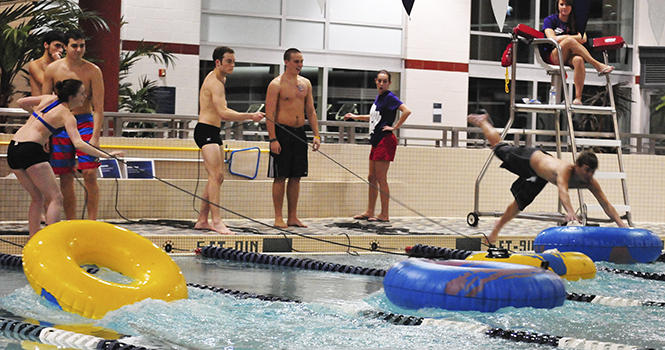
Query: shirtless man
<point>54,45</point>
<point>288,97</point>
<point>212,99</point>
<point>89,116</point>
<point>535,169</point>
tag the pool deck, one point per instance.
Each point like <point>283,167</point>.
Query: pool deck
<point>326,235</point>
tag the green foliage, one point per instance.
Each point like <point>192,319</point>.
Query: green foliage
<point>140,101</point>
<point>657,118</point>
<point>21,27</point>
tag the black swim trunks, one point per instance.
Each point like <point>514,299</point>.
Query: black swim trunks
<point>22,155</point>
<point>206,133</point>
<point>517,160</point>
<point>292,161</point>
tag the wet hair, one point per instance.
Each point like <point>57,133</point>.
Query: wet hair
<point>54,35</point>
<point>383,71</point>
<point>588,158</point>
<point>289,52</point>
<point>73,34</point>
<point>67,88</point>
<point>219,52</point>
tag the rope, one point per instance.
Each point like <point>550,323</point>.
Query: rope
<point>283,231</point>
<point>11,261</point>
<point>506,334</point>
<point>20,331</point>
<point>610,301</point>
<point>308,264</point>
<point>645,275</point>
<point>413,210</point>
<point>241,294</point>
<point>430,252</point>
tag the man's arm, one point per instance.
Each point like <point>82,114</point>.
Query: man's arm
<point>562,179</point>
<point>36,78</point>
<point>47,83</point>
<point>97,86</point>
<point>219,101</point>
<point>272,95</point>
<point>310,113</point>
<point>609,209</point>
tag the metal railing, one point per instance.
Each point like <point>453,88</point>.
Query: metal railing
<point>118,124</point>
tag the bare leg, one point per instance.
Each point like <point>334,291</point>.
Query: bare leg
<point>382,179</point>
<point>292,195</point>
<point>212,159</point>
<point>579,75</point>
<point>490,133</point>
<point>92,190</point>
<point>372,192</point>
<point>278,186</point>
<point>68,195</point>
<point>569,47</point>
<point>39,180</point>
<point>510,213</point>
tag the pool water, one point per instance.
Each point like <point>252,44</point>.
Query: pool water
<point>329,314</point>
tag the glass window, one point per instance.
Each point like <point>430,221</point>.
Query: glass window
<point>246,86</point>
<point>266,7</point>
<point>367,11</point>
<point>482,15</point>
<point>240,30</point>
<point>303,35</point>
<point>365,39</point>
<point>304,9</point>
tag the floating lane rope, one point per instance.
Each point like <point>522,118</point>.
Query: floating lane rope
<point>18,330</point>
<point>507,334</point>
<point>11,261</point>
<point>259,258</point>
<point>645,275</point>
<point>610,301</point>
<point>431,252</point>
<point>241,294</point>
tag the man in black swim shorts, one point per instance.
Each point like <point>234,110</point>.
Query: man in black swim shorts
<point>213,109</point>
<point>535,169</point>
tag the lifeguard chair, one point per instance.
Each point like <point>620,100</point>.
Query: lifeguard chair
<point>562,104</point>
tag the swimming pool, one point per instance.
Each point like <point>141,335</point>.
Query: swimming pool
<point>329,314</point>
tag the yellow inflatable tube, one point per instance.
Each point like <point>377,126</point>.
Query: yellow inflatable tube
<point>569,265</point>
<point>52,260</point>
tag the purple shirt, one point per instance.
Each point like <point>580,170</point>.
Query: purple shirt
<point>383,112</point>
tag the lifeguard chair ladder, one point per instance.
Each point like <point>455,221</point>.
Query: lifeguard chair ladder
<point>558,74</point>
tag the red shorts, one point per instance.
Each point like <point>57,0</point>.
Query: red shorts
<point>385,150</point>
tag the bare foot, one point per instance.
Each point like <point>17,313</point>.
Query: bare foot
<point>476,119</point>
<point>280,223</point>
<point>202,225</point>
<point>577,102</point>
<point>363,216</point>
<point>221,228</point>
<point>296,223</point>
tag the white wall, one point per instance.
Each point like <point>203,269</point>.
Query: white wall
<point>438,31</point>
<point>167,21</point>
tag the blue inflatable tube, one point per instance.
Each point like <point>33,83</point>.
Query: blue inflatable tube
<point>471,285</point>
<point>614,244</point>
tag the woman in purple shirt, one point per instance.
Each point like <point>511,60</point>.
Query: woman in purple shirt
<point>381,117</point>
<point>561,27</point>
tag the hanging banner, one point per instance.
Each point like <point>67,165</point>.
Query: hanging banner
<point>500,9</point>
<point>657,18</point>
